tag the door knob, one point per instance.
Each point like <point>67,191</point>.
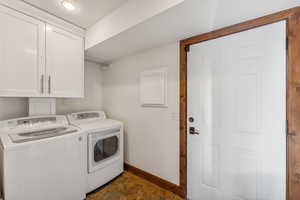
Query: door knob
<point>193,131</point>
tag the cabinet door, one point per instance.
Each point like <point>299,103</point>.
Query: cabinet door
<point>64,63</point>
<point>22,57</point>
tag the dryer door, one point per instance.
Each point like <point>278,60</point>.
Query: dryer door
<point>104,148</point>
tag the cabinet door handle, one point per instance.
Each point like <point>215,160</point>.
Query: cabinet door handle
<point>49,85</point>
<point>42,84</point>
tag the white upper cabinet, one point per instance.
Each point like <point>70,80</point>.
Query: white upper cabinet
<point>39,60</point>
<point>64,63</point>
<point>22,54</point>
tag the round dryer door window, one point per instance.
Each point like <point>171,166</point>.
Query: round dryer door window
<point>106,148</point>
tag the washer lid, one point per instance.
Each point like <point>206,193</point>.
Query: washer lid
<point>32,123</point>
<point>27,136</point>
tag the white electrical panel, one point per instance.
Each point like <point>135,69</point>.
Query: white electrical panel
<point>153,87</point>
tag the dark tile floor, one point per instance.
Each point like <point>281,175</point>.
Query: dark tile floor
<point>130,187</point>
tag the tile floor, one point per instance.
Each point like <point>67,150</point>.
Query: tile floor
<point>130,187</point>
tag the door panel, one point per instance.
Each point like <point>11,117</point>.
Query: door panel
<point>237,96</point>
<point>64,63</point>
<point>22,47</point>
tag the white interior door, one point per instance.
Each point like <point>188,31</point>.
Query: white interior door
<point>64,63</point>
<point>22,57</point>
<point>237,98</point>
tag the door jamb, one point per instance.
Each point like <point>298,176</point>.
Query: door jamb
<point>292,16</point>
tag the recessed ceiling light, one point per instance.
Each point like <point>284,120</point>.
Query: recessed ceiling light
<point>49,28</point>
<point>67,4</point>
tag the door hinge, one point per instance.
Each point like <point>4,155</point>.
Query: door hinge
<point>187,48</point>
<point>287,43</point>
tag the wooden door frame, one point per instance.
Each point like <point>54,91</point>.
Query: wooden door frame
<point>292,17</point>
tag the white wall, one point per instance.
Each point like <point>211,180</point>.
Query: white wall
<point>18,107</point>
<point>13,107</point>
<point>151,134</point>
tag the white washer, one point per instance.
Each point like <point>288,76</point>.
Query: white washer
<point>41,158</point>
<point>104,146</point>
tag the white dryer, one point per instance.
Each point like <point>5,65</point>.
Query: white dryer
<point>104,146</point>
